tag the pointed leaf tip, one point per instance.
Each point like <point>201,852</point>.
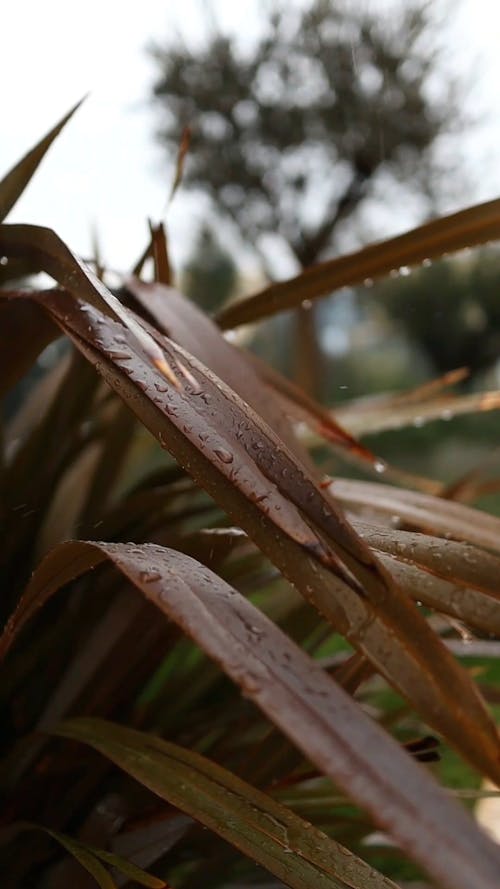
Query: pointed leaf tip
<point>15,181</point>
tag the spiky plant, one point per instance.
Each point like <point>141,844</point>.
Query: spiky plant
<point>271,654</point>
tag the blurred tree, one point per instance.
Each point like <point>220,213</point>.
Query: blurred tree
<point>210,275</point>
<point>292,135</point>
<point>451,310</point>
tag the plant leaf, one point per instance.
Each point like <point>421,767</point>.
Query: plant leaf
<point>45,250</point>
<point>366,417</point>
<point>181,158</point>
<point>468,228</point>
<point>424,513</point>
<point>252,475</point>
<point>15,181</point>
<point>159,247</point>
<point>234,455</point>
<point>88,857</point>
<point>25,331</point>
<point>262,829</point>
<point>295,693</point>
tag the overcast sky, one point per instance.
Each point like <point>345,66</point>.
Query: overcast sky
<point>105,170</point>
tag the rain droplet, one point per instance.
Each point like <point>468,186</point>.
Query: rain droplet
<point>150,576</point>
<point>119,355</point>
<point>306,304</point>
<point>404,271</point>
<point>223,455</point>
<point>380,466</point>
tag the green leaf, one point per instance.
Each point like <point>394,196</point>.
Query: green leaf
<point>85,857</point>
<point>468,228</point>
<point>88,857</point>
<point>290,848</point>
<point>16,180</point>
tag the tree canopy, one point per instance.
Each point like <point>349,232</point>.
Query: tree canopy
<point>451,310</point>
<point>292,133</point>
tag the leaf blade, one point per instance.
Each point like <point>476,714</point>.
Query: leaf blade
<point>295,693</point>
<point>15,181</point>
<point>470,227</point>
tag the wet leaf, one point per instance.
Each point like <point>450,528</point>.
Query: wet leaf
<point>296,694</point>
<point>45,250</point>
<point>280,841</point>
<point>253,476</point>
<point>371,416</point>
<point>473,226</point>
<point>460,564</point>
<point>424,513</point>
<point>182,321</point>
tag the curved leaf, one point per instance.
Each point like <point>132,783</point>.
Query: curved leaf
<point>290,848</point>
<point>257,482</point>
<point>461,564</point>
<point>90,858</point>
<point>25,331</point>
<point>434,515</point>
<point>475,225</point>
<point>296,694</point>
<point>254,477</point>
<point>46,252</point>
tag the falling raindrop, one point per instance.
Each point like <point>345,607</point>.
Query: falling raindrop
<point>380,466</point>
<point>404,271</point>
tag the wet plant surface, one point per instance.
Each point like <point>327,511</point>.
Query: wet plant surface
<point>219,665</point>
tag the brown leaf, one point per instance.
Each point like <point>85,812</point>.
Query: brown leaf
<point>475,225</point>
<point>296,694</point>
<point>253,476</point>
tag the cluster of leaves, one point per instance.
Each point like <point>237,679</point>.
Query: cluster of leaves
<point>228,668</point>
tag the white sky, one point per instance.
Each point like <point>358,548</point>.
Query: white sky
<point>105,169</point>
